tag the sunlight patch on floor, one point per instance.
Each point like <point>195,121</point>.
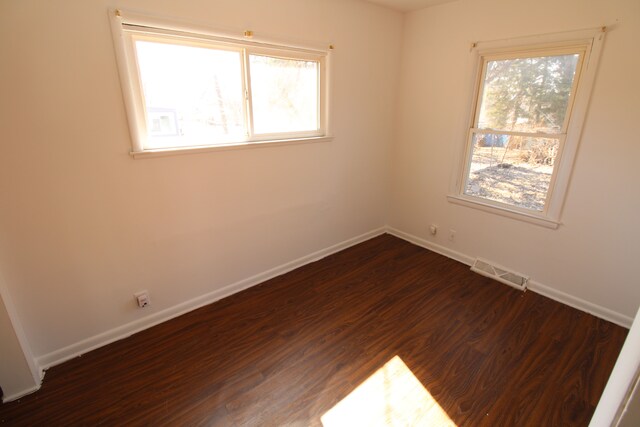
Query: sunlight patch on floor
<point>392,396</point>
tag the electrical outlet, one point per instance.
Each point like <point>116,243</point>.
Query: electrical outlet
<point>433,229</point>
<point>452,235</point>
<point>142,298</point>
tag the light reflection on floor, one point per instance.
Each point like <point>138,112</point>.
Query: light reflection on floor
<point>392,396</point>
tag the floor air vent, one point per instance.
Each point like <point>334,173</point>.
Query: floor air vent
<point>501,274</point>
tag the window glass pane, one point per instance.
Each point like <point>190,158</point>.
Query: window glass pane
<point>527,94</point>
<point>515,170</point>
<point>284,94</point>
<point>193,95</point>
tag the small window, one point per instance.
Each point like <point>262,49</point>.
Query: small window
<point>529,105</point>
<point>186,88</point>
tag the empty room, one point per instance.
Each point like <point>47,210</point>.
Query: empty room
<point>319,212</point>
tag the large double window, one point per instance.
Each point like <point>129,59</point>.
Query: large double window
<point>190,89</point>
<point>529,104</point>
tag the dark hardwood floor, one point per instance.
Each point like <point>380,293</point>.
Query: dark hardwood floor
<point>286,351</point>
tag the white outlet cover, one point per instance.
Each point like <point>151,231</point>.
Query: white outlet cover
<point>142,298</point>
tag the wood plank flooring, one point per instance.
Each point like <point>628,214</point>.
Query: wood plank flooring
<point>286,351</point>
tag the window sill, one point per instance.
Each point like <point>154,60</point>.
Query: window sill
<point>163,152</point>
<point>540,220</point>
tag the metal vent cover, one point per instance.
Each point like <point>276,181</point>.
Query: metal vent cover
<point>499,273</point>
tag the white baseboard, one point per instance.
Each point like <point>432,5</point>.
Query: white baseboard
<point>539,288</point>
<point>580,304</point>
<point>18,395</point>
<point>77,349</point>
<point>449,253</point>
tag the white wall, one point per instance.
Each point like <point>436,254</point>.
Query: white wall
<point>631,415</point>
<point>18,374</point>
<point>594,255</point>
<point>617,398</point>
<point>83,226</point>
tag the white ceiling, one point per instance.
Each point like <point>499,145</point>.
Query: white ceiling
<point>408,5</point>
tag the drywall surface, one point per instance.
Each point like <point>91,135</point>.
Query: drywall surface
<point>16,377</point>
<point>84,225</point>
<point>594,254</point>
<point>619,397</point>
<point>631,415</point>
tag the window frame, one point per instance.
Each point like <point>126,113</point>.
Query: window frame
<point>128,27</point>
<point>588,43</point>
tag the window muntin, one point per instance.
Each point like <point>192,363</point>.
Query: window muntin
<point>189,87</point>
<point>523,106</point>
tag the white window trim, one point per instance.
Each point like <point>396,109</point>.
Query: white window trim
<point>131,86</point>
<point>163,152</point>
<point>592,40</point>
